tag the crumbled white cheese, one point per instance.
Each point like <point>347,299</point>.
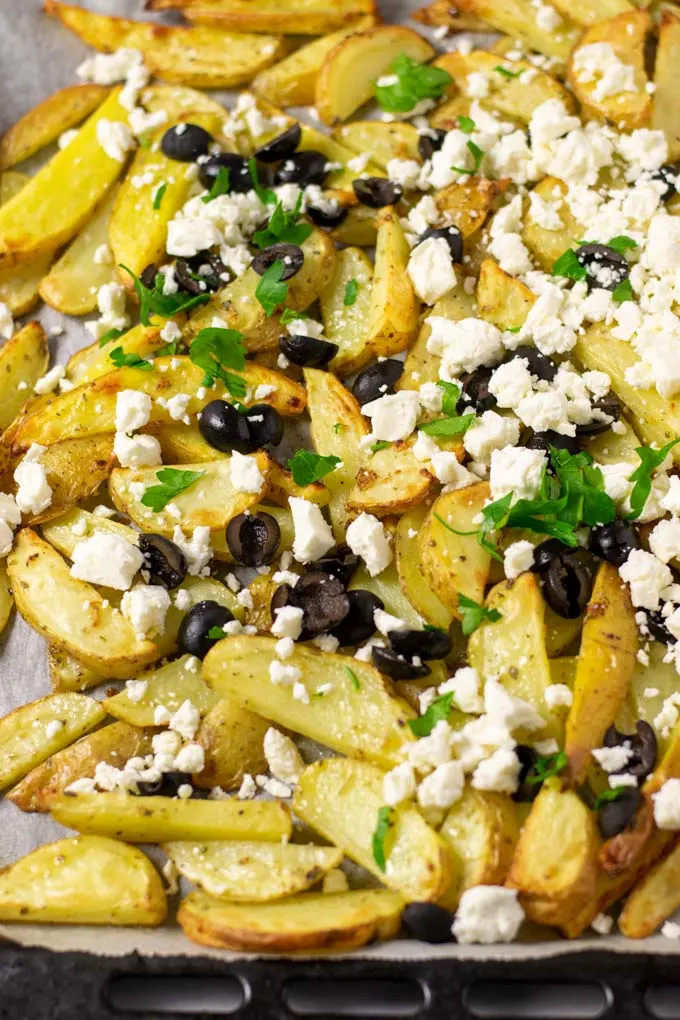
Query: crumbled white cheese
<point>487,914</point>
<point>393,416</point>
<point>667,805</point>
<point>430,269</point>
<point>145,606</point>
<point>106,559</point>
<point>282,756</point>
<point>313,535</point>
<point>366,537</point>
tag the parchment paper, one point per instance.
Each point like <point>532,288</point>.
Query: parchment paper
<point>38,56</point>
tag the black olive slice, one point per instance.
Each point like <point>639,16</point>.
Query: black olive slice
<point>388,662</point>
<point>377,192</point>
<point>290,255</point>
<point>377,380</point>
<point>605,268</point>
<point>148,275</point>
<point>451,235</point>
<point>254,538</point>
<point>428,923</point>
<point>197,624</point>
<point>239,173</point>
<point>566,577</point>
<point>614,542</point>
<point>341,565</point>
<point>427,145</point>
<point>307,350</point>
<point>167,786</point>
<point>616,815</point>
<point>205,272</point>
<point>611,407</point>
<point>539,364</point>
<point>302,168</point>
<point>281,147</point>
<point>185,142</point>
<point>326,218</point>
<point>321,598</point>
<point>224,427</point>
<point>544,440</point>
<point>642,743</point>
<point>358,626</point>
<point>656,624</point>
<point>668,174</point>
<point>164,561</point>
<point>526,791</point>
<point>265,426</point>
<point>476,390</point>
<point>425,644</point>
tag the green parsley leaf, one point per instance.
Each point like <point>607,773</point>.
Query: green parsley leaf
<point>466,125</point>
<point>337,428</point>
<point>144,142</point>
<point>450,398</point>
<point>546,767</point>
<point>477,155</point>
<point>568,265</point>
<point>506,72</point>
<point>650,460</point>
<point>220,186</point>
<point>414,82</point>
<point>265,195</point>
<point>271,290</point>
<point>382,444</point>
<point>383,826</point>
<point>283,226</point>
<point>167,349</point>
<point>448,426</point>
<point>173,481</point>
<point>111,334</point>
<point>622,243</point>
<point>290,315</point>
<point>623,292</point>
<point>216,350</point>
<point>439,709</point>
<point>158,196</point>
<point>473,614</point>
<point>583,484</point>
<point>216,633</point>
<point>122,360</point>
<point>353,678</point>
<point>308,467</point>
<point>513,329</point>
<point>154,301</point>
<point>351,291</point>
<point>615,793</point>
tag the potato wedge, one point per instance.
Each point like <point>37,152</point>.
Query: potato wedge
<point>292,82</point>
<point>411,574</point>
<point>27,738</point>
<point>72,415</point>
<point>358,227</point>
<point>588,12</point>
<point>455,564</point>
<point>6,598</point>
<point>547,245</point>
<point>206,58</point>
<point>337,921</point>
<point>46,121</point>
<point>92,362</point>
<point>171,686</point>
<point>420,365</point>
<point>503,300</point>
<point>340,798</point>
<point>252,872</point>
<point>161,819</point>
<point>364,721</point>
<point>308,17</point>
<point>179,100</point>
<point>481,830</point>
<point>626,34</point>
<point>62,196</point>
<point>466,205</point>
<point>113,744</point>
<point>387,587</point>
<point>606,664</point>
<point>666,70</point>
<point>86,880</point>
<point>68,674</point>
<point>72,283</point>
<point>654,899</point>
<point>347,325</point>
<point>23,360</point>
<point>517,18</point>
<point>441,13</point>
<point>99,636</point>
<point>75,469</point>
<point>20,284</point>
<point>346,80</point>
<point>390,482</point>
<point>393,317</point>
<point>382,141</point>
<point>232,738</point>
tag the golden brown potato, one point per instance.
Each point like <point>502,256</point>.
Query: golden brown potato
<point>466,205</point>
<point>391,481</point>
<point>502,299</point>
<point>393,316</point>
<point>305,17</point>
<point>382,141</point>
<point>517,19</point>
<point>411,573</point>
<point>666,72</point>
<point>23,359</point>
<point>68,674</point>
<point>232,738</point>
<point>654,899</point>
<point>347,325</point>
<point>547,245</point>
<point>171,686</point>
<point>19,285</point>
<point>49,119</point>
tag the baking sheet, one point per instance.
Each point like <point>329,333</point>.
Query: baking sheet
<point>38,56</point>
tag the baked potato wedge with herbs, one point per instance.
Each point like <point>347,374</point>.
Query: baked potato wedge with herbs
<point>19,285</point>
<point>310,17</point>
<point>23,360</point>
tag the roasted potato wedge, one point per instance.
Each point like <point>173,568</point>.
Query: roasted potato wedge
<point>19,285</point>
<point>440,13</point>
<point>666,71</point>
<point>68,674</point>
<point>338,921</point>
<point>206,58</point>
<point>517,19</point>
<point>232,738</point>
<point>654,899</point>
<point>171,685</point>
<point>421,365</point>
<point>347,325</point>
<point>411,573</point>
<point>75,469</point>
<point>6,598</point>
<point>30,734</point>
<point>178,100</point>
<point>467,204</point>
<point>340,798</point>
<point>310,17</point>
<point>502,299</point>
<point>588,12</point>
<point>382,141</point>
<point>364,721</point>
<point>161,819</point>
<point>23,360</point>
<point>86,880</point>
<point>390,482</point>
<point>393,316</point>
<point>92,362</point>
<point>252,872</point>
<point>347,77</point>
<point>547,245</point>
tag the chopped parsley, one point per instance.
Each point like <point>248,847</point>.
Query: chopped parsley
<point>466,125</point>
<point>351,291</point>
<point>265,195</point>
<point>152,301</point>
<point>623,292</point>
<point>353,678</point>
<point>216,351</point>
<point>473,614</point>
<point>506,72</point>
<point>384,824</point>
<point>382,444</point>
<point>622,243</point>
<point>337,427</point>
<point>414,83</point>
<point>220,186</point>
<point>158,196</point>
<point>453,424</point>
<point>122,360</point>
<point>290,315</point>
<point>308,467</point>
<point>547,766</point>
<point>283,226</point>
<point>111,334</point>
<point>438,710</point>
<point>568,265</point>
<point>173,481</point>
<point>650,460</point>
<point>271,290</point>
<point>216,633</point>
<point>607,796</point>
<point>477,155</point>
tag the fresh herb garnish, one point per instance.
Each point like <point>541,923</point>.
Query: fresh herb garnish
<point>265,195</point>
<point>650,460</point>
<point>216,350</point>
<point>383,826</point>
<point>290,315</point>
<point>122,360</point>
<point>547,766</point>
<point>506,72</point>
<point>271,290</point>
<point>623,292</point>
<point>414,82</point>
<point>473,614</point>
<point>216,633</point>
<point>466,125</point>
<point>568,265</point>
<point>173,481</point>
<point>438,709</point>
<point>477,155</point>
<point>353,678</point>
<point>158,195</point>
<point>283,226</point>
<point>382,444</point>
<point>453,424</point>
<point>615,793</point>
<point>308,467</point>
<point>154,301</point>
<point>351,291</point>
<point>111,334</point>
<point>513,329</point>
<point>220,186</point>
<point>622,243</point>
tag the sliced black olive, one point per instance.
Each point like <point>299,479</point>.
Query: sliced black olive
<point>324,218</point>
<point>281,147</point>
<point>377,380</point>
<point>358,625</point>
<point>224,427</point>
<point>539,364</point>
<point>427,145</point>
<point>428,923</point>
<point>393,666</point>
<point>425,644</point>
<point>291,255</point>
<point>544,440</point>
<point>451,235</point>
<point>148,275</point>
<point>656,624</point>
<point>185,142</point>
<point>615,815</point>
<point>201,274</point>
<point>526,791</point>
<point>608,405</point>
<point>254,538</point>
<point>307,350</point>
<point>164,561</point>
<point>239,174</point>
<point>476,390</point>
<point>614,542</point>
<point>643,745</point>
<point>167,786</point>
<point>265,426</point>
<point>197,624</point>
<point>668,174</point>
<point>605,268</point>
<point>566,577</point>
<point>302,168</point>
<point>321,598</point>
<point>376,192</point>
<point>341,565</point>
